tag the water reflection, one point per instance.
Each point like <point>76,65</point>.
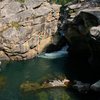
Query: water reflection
<point>51,94</point>
<point>35,70</point>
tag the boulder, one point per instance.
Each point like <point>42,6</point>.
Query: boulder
<point>75,6</point>
<point>96,86</point>
<point>11,8</point>
<point>31,4</point>
<point>95,32</point>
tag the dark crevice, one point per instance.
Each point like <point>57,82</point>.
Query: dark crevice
<point>37,6</point>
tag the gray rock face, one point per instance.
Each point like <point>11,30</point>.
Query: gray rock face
<point>75,6</point>
<point>11,9</point>
<point>98,1</point>
<point>95,11</point>
<point>31,4</point>
<point>24,25</point>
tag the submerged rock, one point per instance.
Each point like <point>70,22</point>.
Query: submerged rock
<point>81,87</point>
<point>2,82</point>
<point>30,86</point>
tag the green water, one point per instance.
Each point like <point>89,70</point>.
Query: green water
<point>35,70</point>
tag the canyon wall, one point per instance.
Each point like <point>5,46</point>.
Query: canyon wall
<point>26,27</point>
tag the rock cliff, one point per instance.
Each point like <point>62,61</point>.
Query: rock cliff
<point>81,25</point>
<point>26,27</point>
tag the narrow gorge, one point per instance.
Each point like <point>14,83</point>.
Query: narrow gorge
<point>49,51</point>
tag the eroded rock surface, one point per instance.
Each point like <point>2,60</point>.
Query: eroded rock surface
<point>23,25</point>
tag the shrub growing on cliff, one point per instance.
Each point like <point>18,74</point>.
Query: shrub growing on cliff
<point>15,24</point>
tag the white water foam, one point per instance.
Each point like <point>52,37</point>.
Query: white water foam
<point>56,54</point>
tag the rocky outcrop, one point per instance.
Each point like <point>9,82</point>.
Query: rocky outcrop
<point>30,86</point>
<point>24,26</point>
<point>78,19</point>
<point>81,25</point>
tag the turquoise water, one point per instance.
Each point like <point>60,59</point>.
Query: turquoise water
<point>35,70</point>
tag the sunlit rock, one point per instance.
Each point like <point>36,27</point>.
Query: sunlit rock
<point>24,24</point>
<point>31,86</point>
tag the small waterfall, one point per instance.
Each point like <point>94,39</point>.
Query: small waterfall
<point>56,54</point>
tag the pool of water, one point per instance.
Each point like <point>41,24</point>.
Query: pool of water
<point>13,74</point>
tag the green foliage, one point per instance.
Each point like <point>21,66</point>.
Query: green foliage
<point>15,24</point>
